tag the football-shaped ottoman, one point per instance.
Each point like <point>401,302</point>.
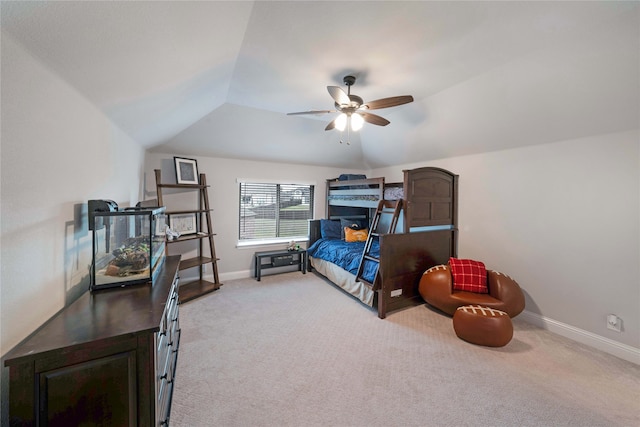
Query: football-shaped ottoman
<point>483,325</point>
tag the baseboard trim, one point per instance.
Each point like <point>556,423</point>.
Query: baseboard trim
<point>222,277</point>
<point>607,345</point>
<point>247,274</point>
<point>233,275</point>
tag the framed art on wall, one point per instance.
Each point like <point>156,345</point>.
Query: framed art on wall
<point>183,223</point>
<point>186,170</point>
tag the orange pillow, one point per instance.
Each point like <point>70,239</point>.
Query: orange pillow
<point>351,235</point>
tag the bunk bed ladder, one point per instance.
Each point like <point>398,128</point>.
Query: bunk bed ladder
<point>385,207</point>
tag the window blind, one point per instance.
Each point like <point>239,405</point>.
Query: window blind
<point>271,211</point>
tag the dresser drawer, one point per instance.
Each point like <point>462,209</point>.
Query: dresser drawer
<point>168,340</point>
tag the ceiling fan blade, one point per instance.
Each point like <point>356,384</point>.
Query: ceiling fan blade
<point>388,102</point>
<point>338,95</point>
<point>374,119</point>
<point>331,125</point>
<point>311,112</point>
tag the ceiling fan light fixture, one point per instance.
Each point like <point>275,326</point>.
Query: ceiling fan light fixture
<point>341,122</point>
<point>356,122</point>
<point>354,112</point>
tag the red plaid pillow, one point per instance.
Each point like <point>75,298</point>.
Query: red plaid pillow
<point>469,275</point>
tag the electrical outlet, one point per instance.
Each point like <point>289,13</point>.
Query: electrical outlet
<point>614,322</point>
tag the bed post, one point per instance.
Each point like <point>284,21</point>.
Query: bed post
<point>314,235</point>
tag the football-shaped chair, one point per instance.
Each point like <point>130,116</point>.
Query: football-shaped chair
<point>436,288</point>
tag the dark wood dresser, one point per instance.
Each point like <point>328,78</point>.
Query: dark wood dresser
<point>108,359</point>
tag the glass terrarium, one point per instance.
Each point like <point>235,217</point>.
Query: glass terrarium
<point>128,244</point>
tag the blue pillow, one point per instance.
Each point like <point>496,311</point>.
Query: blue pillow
<point>330,229</point>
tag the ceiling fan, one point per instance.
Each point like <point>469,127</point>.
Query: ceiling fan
<point>354,109</point>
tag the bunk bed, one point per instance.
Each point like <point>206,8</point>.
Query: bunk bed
<point>425,236</point>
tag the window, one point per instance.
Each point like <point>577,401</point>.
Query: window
<point>274,211</point>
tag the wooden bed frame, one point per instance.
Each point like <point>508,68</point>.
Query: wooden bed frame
<point>430,201</point>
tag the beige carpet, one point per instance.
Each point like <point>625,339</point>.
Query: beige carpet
<point>293,350</point>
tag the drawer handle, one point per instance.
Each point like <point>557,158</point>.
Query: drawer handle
<point>164,377</point>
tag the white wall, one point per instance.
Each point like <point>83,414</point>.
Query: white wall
<point>564,220</point>
<point>222,176</point>
<point>58,151</point>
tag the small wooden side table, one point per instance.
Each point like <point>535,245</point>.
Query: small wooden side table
<point>280,258</point>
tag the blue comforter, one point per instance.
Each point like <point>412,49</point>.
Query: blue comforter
<point>347,255</point>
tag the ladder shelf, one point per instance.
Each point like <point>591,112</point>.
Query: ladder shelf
<point>200,286</point>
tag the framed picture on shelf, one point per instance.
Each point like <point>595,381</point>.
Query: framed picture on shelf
<point>186,170</point>
<point>183,223</point>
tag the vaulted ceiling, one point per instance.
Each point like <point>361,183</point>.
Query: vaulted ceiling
<point>216,78</point>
